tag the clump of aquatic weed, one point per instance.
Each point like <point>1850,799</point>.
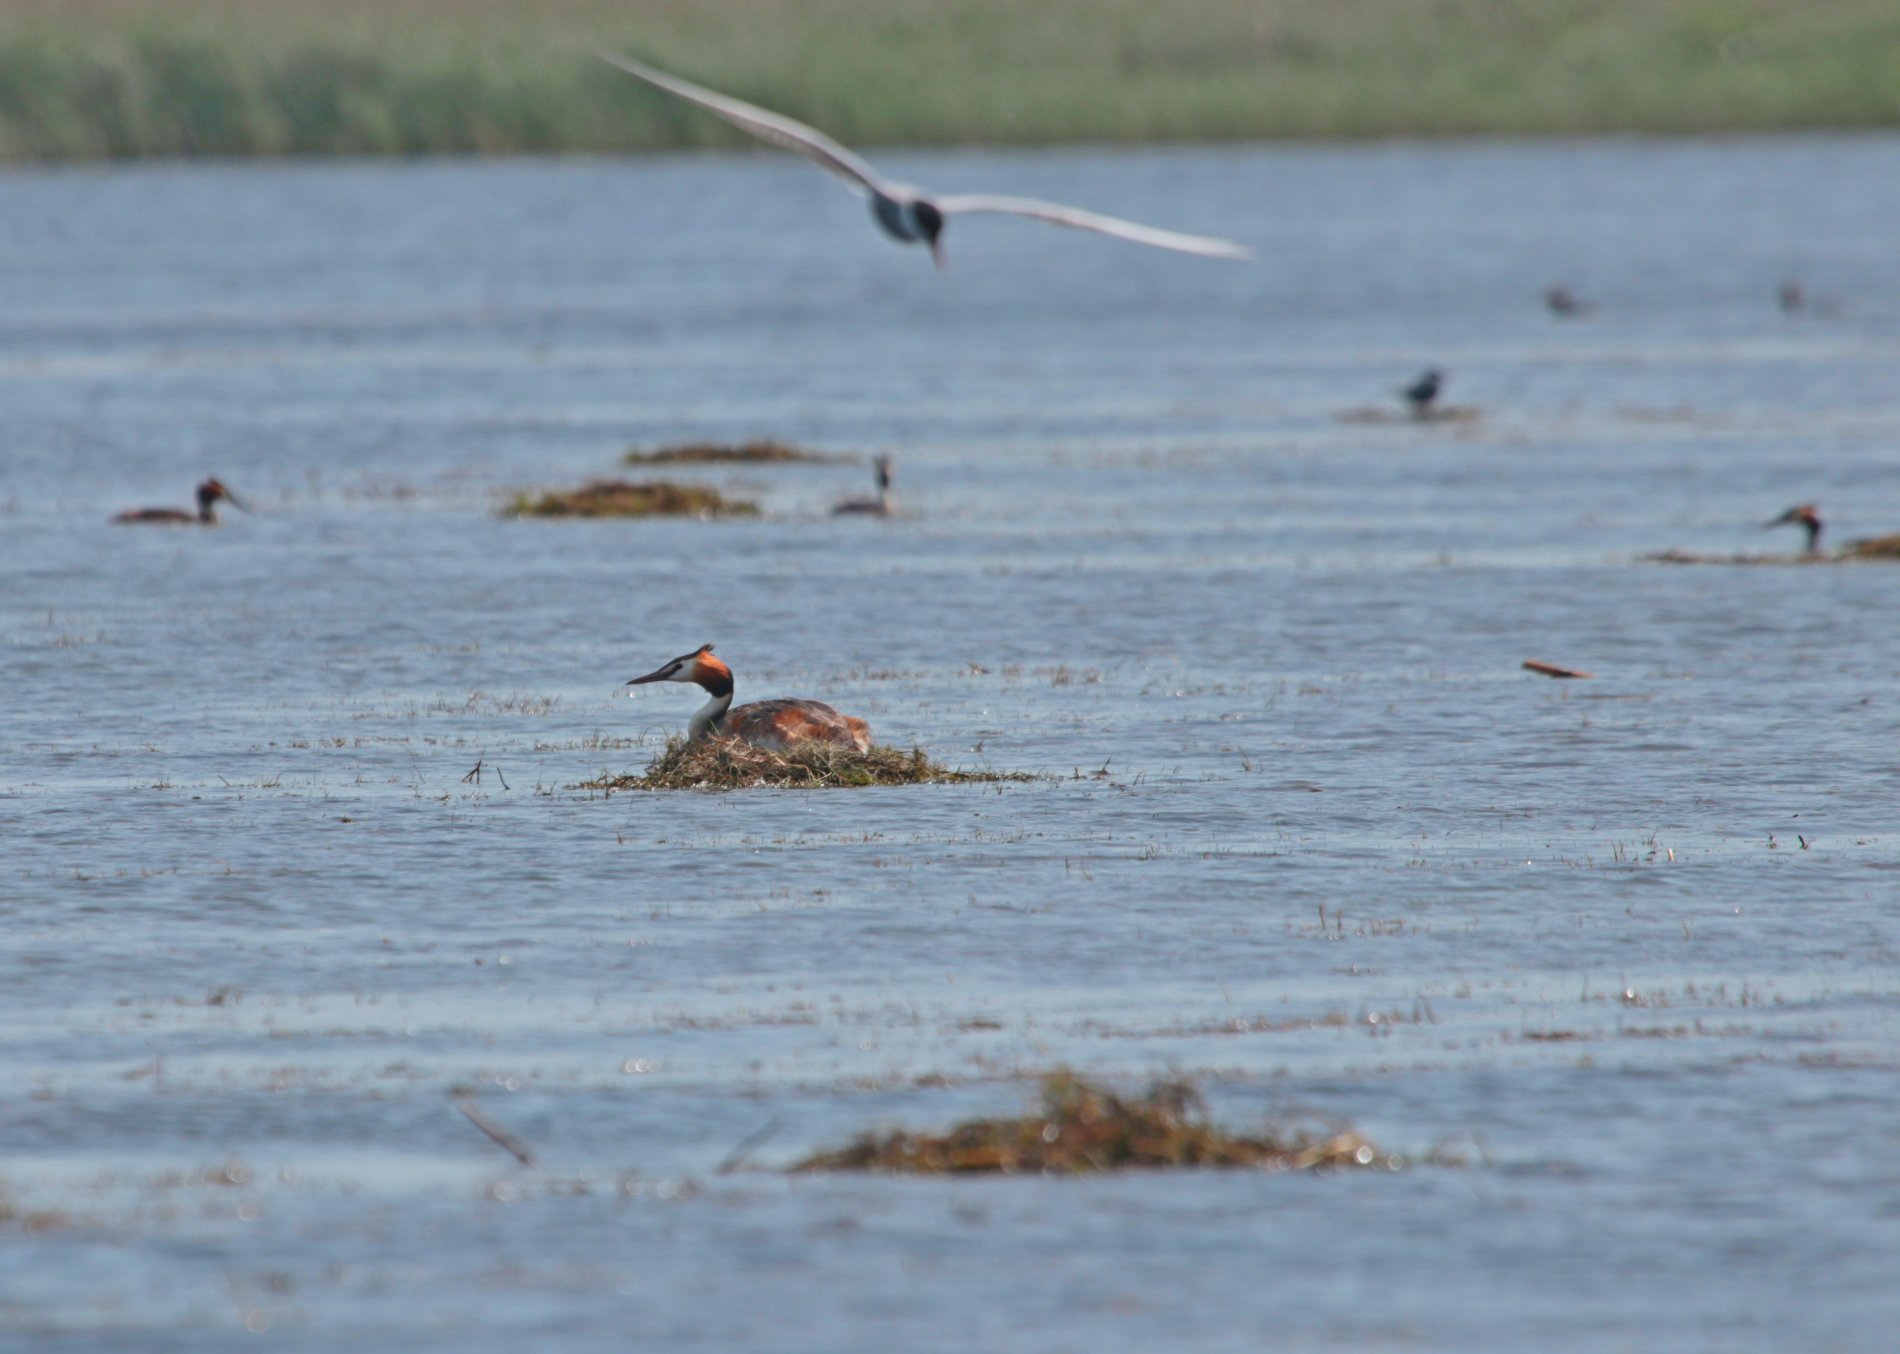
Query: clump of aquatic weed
<point>756,452</point>
<point>1083,1128</point>
<point>729,764</point>
<point>1880,547</point>
<point>620,498</point>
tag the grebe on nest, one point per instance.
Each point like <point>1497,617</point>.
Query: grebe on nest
<point>775,724</point>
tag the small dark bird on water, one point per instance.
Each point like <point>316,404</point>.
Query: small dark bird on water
<point>1790,297</point>
<point>209,495</point>
<point>1423,392</point>
<point>1563,301</point>
<point>1805,515</point>
<point>884,505</point>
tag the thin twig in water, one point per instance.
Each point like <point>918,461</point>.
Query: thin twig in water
<point>748,1145</point>
<point>475,774</point>
<point>498,1135</point>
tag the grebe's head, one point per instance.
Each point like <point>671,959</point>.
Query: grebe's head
<point>212,490</point>
<point>930,223</point>
<point>882,464</point>
<point>698,667</point>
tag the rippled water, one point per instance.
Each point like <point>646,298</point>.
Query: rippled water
<point>1313,837</point>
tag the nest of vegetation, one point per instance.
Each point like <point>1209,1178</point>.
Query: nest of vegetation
<point>725,453</point>
<point>1880,547</point>
<point>620,498</point>
<point>1854,552</point>
<point>1083,1128</point>
<point>728,764</point>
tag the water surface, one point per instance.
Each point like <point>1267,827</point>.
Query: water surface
<point>1311,836</point>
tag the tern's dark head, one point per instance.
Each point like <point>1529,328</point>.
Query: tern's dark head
<point>930,225</point>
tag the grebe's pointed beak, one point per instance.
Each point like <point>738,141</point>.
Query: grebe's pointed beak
<point>235,501</point>
<point>657,675</point>
<point>936,253</point>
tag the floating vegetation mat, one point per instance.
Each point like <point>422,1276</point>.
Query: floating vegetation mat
<point>720,453</point>
<point>1882,548</point>
<point>1083,1128</point>
<point>619,498</point>
<point>728,764</point>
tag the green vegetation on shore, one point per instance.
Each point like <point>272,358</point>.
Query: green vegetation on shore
<point>87,79</point>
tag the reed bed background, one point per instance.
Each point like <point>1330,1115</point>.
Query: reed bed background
<point>87,79</point>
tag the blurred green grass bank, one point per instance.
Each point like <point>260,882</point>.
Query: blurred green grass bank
<point>86,79</point>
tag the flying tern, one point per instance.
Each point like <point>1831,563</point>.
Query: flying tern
<point>908,214</point>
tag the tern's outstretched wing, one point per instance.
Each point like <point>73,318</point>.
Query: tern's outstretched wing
<point>1057,214</point>
<point>773,128</point>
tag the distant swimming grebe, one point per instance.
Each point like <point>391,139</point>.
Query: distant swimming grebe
<point>207,515</point>
<point>884,505</point>
<point>1562,301</point>
<point>775,724</point>
<point>1422,392</point>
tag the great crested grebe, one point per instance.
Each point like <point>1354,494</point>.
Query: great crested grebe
<point>773,724</point>
<point>884,505</point>
<point>1808,517</point>
<point>207,515</point>
<point>1422,392</point>
<point>908,215</point>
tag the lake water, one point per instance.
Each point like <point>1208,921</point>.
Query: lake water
<point>1619,953</point>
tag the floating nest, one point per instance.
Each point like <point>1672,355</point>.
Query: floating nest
<point>1855,552</point>
<point>1082,1128</point>
<point>619,498</point>
<point>728,764</point>
<point>1880,547</point>
<point>764,451</point>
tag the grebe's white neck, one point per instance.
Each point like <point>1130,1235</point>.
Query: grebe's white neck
<point>707,717</point>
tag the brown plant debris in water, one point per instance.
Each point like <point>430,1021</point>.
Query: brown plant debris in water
<point>1879,547</point>
<point>722,453</point>
<point>1081,1127</point>
<point>619,498</point>
<point>1552,670</point>
<point>729,764</point>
